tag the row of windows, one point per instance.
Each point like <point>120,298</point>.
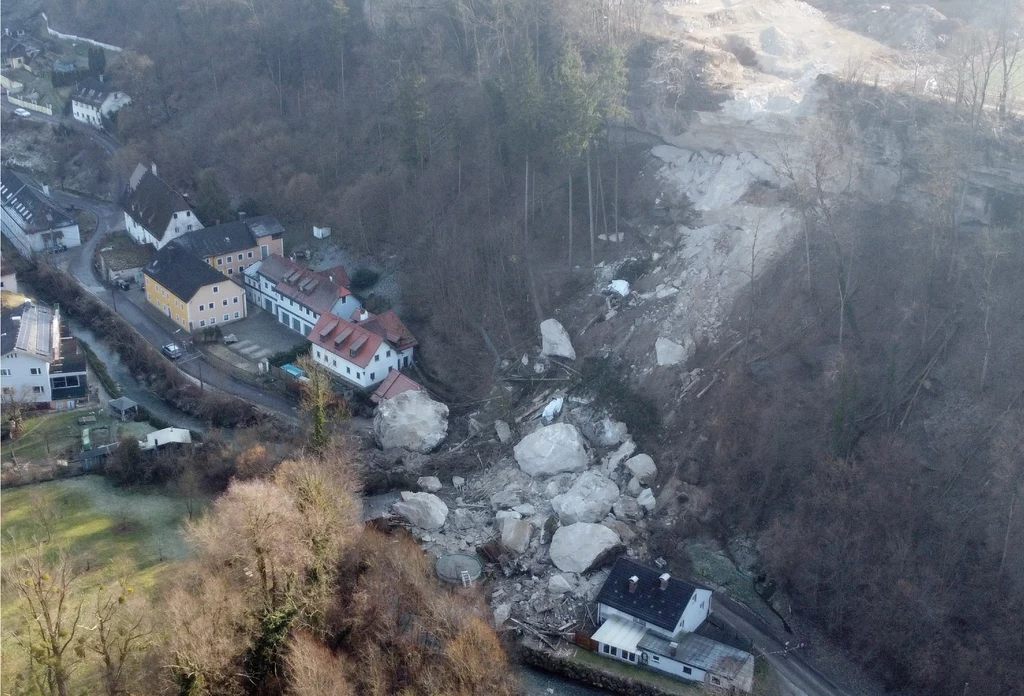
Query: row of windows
<point>61,382</point>
<point>224,303</point>
<point>35,390</point>
<point>213,321</point>
<point>220,261</point>
<point>5,372</point>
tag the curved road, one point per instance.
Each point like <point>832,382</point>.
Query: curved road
<point>78,262</point>
<point>797,678</point>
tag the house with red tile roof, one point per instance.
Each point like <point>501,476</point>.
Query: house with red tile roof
<point>297,296</point>
<point>362,353</point>
<point>394,384</point>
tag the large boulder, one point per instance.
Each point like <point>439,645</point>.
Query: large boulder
<point>412,421</point>
<point>579,547</point>
<point>552,450</point>
<point>589,500</point>
<point>642,467</point>
<point>555,340</point>
<point>423,510</point>
<point>515,534</point>
<point>430,484</point>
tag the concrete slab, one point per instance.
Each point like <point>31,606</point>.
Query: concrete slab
<point>255,348</point>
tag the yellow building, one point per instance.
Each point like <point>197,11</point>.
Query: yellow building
<point>190,292</point>
<point>234,246</point>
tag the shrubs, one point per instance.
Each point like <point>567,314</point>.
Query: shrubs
<point>605,381</point>
<point>363,279</point>
<point>99,368</point>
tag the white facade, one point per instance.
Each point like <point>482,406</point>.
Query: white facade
<point>25,378</point>
<point>296,316</point>
<point>181,222</point>
<point>86,113</point>
<point>673,667</point>
<point>15,229</point>
<point>9,282</point>
<point>384,360</point>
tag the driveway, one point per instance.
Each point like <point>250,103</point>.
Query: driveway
<point>260,335</point>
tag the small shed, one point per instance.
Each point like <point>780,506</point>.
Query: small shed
<point>321,232</point>
<point>393,385</point>
<point>123,406</point>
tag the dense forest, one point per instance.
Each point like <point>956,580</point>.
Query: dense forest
<point>870,432</point>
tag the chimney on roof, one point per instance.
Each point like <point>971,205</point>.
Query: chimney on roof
<point>46,190</point>
<point>633,582</point>
<point>672,648</point>
<point>241,215</point>
<point>664,577</point>
<point>153,168</point>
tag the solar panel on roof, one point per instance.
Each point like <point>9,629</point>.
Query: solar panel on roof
<point>326,331</point>
<point>340,338</point>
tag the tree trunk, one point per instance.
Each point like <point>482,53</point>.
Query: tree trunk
<point>590,206</point>
<point>570,220</point>
<point>1006,536</point>
<point>616,196</point>
<point>526,204</point>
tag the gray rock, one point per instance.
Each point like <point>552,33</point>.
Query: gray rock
<point>579,547</point>
<point>634,487</point>
<point>516,535</point>
<point>505,499</point>
<point>555,340</point>
<point>412,421</point>
<point>502,613</point>
<point>525,509</point>
<point>458,482</point>
<point>622,529</point>
<point>642,467</point>
<point>502,515</point>
<point>430,484</point>
<point>613,460</point>
<point>558,585</point>
<point>589,500</point>
<point>423,510</point>
<point>669,352</point>
<point>551,450</point>
<point>503,430</point>
<point>627,508</point>
<point>646,500</point>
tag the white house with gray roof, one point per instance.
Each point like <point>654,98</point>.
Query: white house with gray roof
<point>29,220</point>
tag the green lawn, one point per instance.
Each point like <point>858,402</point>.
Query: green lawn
<point>59,434</point>
<point>110,533</point>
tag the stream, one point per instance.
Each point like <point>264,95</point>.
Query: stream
<point>538,683</point>
<point>130,386</point>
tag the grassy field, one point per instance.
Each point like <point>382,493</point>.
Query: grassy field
<point>111,534</point>
<point>57,434</point>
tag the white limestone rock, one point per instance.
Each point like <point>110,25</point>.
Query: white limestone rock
<point>502,613</point>
<point>627,508</point>
<point>618,287</point>
<point>642,467</point>
<point>634,487</point>
<point>412,421</point>
<point>669,352</point>
<point>610,432</point>
<point>516,535</point>
<point>552,450</point>
<point>503,430</point>
<point>589,500</point>
<point>555,340</point>
<point>430,484</point>
<point>423,510</point>
<point>558,585</point>
<point>613,460</point>
<point>579,547</point>
<point>646,500</point>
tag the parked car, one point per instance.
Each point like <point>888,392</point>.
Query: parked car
<point>58,247</point>
<point>123,284</point>
<point>22,113</point>
<point>171,350</point>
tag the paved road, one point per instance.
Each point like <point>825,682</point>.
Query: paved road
<point>78,262</point>
<point>796,676</point>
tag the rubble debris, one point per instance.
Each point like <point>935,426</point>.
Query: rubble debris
<point>610,432</point>
<point>555,340</point>
<point>412,421</point>
<point>502,613</point>
<point>430,484</point>
<point>627,508</point>
<point>552,410</point>
<point>669,352</point>
<point>634,487</point>
<point>589,499</point>
<point>551,450</point>
<point>423,510</point>
<point>503,431</point>
<point>558,585</point>
<point>613,460</point>
<point>516,535</point>
<point>646,500</point>
<point>578,547</point>
<point>642,467</point>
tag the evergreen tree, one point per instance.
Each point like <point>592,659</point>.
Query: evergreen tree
<point>213,203</point>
